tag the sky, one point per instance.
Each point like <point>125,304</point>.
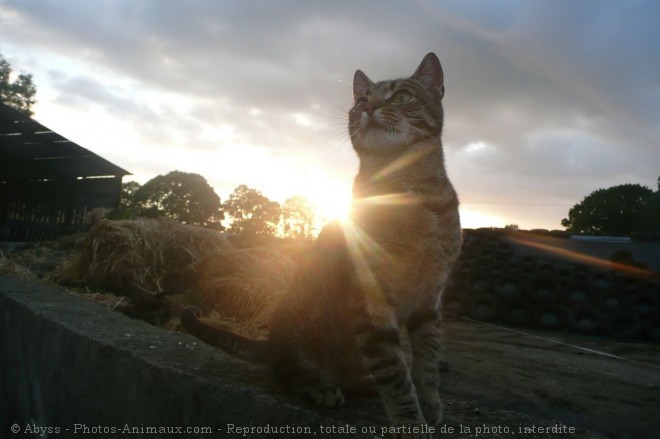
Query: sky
<point>545,101</point>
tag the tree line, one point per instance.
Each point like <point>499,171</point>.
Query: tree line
<point>189,199</point>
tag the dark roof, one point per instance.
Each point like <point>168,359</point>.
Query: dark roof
<point>31,151</point>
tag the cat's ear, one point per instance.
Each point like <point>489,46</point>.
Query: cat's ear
<point>361,84</point>
<point>430,74</point>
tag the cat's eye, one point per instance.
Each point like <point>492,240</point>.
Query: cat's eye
<point>401,97</point>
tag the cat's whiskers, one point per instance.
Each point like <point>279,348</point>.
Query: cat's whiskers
<point>415,129</point>
<point>335,135</point>
<point>334,132</point>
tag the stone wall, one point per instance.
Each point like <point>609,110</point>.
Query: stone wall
<point>71,368</point>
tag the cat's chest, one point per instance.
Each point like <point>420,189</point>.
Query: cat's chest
<point>407,246</point>
<point>412,231</point>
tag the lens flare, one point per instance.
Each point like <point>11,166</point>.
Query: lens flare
<point>582,258</point>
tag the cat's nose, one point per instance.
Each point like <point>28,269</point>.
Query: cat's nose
<point>372,105</point>
<point>370,108</point>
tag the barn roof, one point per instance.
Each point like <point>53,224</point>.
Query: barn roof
<point>31,151</point>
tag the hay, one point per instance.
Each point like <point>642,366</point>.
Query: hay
<point>155,268</point>
<point>141,256</point>
<point>9,266</point>
<point>40,260</point>
<point>243,287</point>
<point>111,302</point>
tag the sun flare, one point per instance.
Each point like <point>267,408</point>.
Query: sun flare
<point>331,203</point>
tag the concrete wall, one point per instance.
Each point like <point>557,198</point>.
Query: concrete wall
<point>67,363</point>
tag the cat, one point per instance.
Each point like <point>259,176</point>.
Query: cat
<point>367,279</point>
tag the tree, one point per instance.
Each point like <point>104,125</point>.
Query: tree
<point>128,191</point>
<point>649,215</point>
<point>18,94</point>
<point>613,211</point>
<point>252,213</point>
<point>298,218</point>
<point>128,207</point>
<point>182,196</point>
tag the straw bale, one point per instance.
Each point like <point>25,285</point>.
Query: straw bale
<point>144,256</point>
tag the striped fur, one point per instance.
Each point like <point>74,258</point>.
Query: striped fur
<point>339,328</point>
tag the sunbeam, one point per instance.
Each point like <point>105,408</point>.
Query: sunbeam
<point>583,258</point>
<point>363,250</point>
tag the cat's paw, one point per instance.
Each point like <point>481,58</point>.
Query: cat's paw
<point>328,396</point>
<point>432,408</point>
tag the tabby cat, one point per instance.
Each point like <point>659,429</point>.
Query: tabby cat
<point>368,279</point>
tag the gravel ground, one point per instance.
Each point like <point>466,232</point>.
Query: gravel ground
<point>501,378</point>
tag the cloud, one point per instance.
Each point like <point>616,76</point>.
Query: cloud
<point>563,97</point>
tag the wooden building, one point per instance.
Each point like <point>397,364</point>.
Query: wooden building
<point>47,182</point>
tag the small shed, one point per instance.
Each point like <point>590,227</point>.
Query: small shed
<point>47,182</point>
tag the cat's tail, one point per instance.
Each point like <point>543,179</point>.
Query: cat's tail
<point>234,344</point>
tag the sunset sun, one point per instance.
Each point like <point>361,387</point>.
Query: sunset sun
<point>332,206</point>
<point>330,198</point>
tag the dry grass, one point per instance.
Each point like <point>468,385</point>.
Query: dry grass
<point>9,266</point>
<point>28,264</point>
<point>110,301</point>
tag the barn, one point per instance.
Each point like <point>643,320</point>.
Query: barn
<point>47,182</point>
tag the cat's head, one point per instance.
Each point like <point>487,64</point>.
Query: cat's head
<point>389,116</point>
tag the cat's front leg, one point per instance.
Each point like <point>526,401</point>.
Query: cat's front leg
<point>380,346</point>
<point>424,331</point>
